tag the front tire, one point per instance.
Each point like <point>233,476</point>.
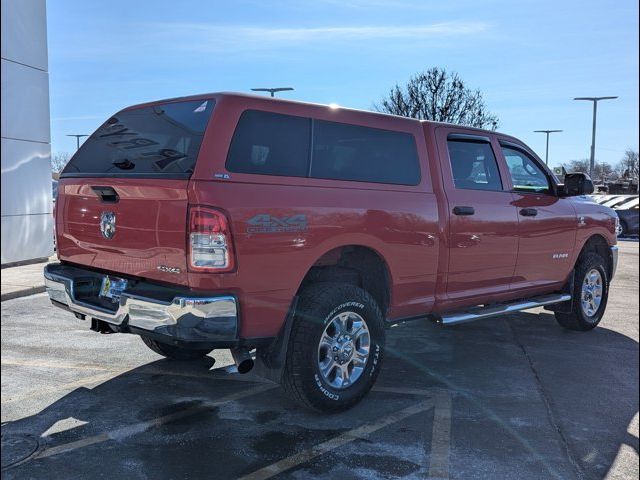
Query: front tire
<point>624,229</point>
<point>589,296</point>
<point>335,348</point>
<point>173,352</point>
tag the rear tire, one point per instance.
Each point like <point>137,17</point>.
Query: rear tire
<point>335,349</point>
<point>173,352</point>
<point>589,296</point>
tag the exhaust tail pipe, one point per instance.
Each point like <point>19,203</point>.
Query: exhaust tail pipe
<point>242,358</point>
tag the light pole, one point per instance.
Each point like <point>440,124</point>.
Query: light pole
<point>546,156</point>
<point>595,100</point>
<point>272,91</point>
<point>78,137</point>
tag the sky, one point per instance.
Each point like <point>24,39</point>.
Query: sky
<point>529,59</point>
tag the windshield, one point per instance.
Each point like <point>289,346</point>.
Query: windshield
<point>158,141</point>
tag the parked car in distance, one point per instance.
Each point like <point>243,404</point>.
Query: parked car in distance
<point>619,201</point>
<point>603,198</point>
<point>628,215</point>
<point>630,203</point>
<point>294,234</point>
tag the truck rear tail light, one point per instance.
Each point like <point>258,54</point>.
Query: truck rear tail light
<point>210,242</point>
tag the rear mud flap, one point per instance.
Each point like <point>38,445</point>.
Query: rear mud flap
<point>271,359</point>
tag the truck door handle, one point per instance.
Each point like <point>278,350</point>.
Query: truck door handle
<point>464,211</point>
<point>528,212</point>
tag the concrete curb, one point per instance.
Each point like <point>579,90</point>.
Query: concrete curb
<point>22,293</point>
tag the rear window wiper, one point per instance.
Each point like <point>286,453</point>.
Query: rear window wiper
<point>125,164</point>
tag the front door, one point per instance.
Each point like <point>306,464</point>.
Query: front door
<point>547,223</point>
<point>483,236</point>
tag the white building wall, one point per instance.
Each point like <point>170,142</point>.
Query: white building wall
<point>26,139</point>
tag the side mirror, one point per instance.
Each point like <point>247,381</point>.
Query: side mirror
<point>576,184</point>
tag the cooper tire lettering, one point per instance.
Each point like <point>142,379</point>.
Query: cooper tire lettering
<point>326,392</point>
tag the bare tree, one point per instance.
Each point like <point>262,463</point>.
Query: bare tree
<point>440,96</point>
<point>575,166</point>
<point>628,166</point>
<point>602,172</point>
<point>59,160</point>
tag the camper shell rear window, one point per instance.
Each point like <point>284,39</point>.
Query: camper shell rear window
<point>158,141</point>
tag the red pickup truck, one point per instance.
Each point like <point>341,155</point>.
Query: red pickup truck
<point>294,234</point>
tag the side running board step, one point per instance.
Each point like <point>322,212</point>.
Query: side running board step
<point>478,313</point>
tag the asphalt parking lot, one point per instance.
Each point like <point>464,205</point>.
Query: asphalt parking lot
<point>514,397</point>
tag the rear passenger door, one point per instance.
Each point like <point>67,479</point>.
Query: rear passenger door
<point>483,236</point>
<point>547,223</point>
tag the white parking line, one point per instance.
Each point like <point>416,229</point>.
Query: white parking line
<point>425,392</point>
<point>129,430</point>
<point>441,432</point>
<point>440,437</point>
<point>347,437</point>
<point>438,399</point>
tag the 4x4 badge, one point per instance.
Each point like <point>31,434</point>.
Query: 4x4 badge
<point>265,223</point>
<point>108,224</point>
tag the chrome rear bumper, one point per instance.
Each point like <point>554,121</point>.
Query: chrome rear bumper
<point>178,318</point>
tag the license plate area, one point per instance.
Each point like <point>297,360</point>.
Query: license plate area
<point>112,288</point>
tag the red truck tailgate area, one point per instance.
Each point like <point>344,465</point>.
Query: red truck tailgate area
<point>149,239</point>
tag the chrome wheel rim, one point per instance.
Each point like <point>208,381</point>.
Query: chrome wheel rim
<point>592,289</point>
<point>619,229</point>
<point>344,350</point>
